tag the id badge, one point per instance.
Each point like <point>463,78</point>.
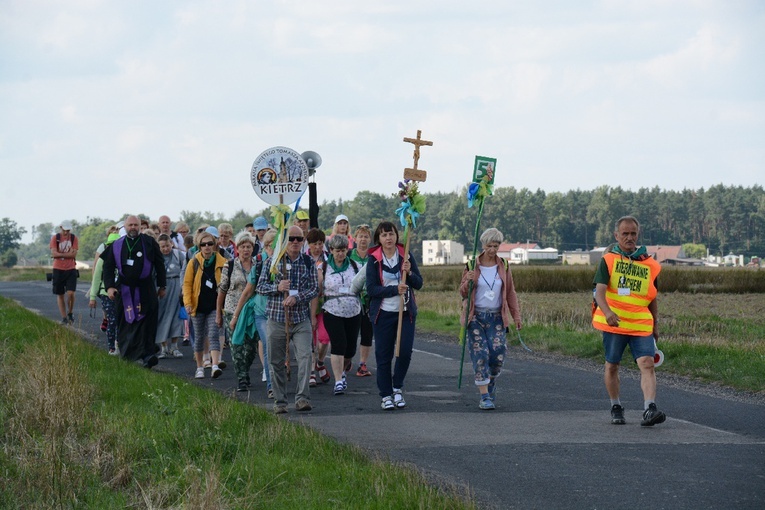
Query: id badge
<point>623,291</point>
<point>345,290</point>
<point>209,284</point>
<point>489,294</point>
<point>130,262</point>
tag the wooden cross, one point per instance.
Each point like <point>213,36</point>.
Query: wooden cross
<point>413,173</point>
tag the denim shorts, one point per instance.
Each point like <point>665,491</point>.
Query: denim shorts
<point>615,344</point>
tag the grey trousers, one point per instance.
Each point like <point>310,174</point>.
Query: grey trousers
<point>300,334</point>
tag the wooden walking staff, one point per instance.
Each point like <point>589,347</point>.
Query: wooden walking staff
<point>412,174</point>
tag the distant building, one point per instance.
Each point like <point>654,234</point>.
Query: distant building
<point>582,257</point>
<point>441,253</point>
<point>516,253</point>
<point>663,254</point>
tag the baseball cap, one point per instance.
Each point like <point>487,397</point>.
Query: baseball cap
<point>341,217</point>
<point>213,231</point>
<point>259,223</point>
<point>301,215</point>
<point>66,225</point>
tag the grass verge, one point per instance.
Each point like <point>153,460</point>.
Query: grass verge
<point>81,429</point>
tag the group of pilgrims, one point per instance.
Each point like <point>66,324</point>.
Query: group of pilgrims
<point>162,286</point>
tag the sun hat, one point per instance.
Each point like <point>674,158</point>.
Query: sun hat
<point>260,223</point>
<point>301,215</point>
<point>213,231</point>
<point>66,225</point>
<point>341,217</point>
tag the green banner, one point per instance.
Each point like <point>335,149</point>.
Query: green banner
<point>484,165</point>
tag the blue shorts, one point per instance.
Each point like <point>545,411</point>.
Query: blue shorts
<point>615,344</point>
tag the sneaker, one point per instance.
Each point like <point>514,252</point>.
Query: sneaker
<point>70,317</point>
<point>64,321</point>
<point>652,416</point>
<point>177,354</point>
<point>206,363</point>
<point>150,361</point>
<point>323,373</point>
<point>162,354</point>
<point>104,324</point>
<point>221,364</point>
<point>492,389</point>
<point>186,342</point>
<point>216,371</point>
<point>113,352</point>
<point>242,386</point>
<point>387,404</point>
<point>270,393</point>
<point>486,403</point>
<point>312,380</point>
<point>303,405</point>
<point>200,373</point>
<point>617,415</point>
<point>339,388</point>
<point>280,409</point>
<point>263,376</point>
<point>362,371</point>
<point>398,398</point>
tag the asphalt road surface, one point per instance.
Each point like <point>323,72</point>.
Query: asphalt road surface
<point>549,443</point>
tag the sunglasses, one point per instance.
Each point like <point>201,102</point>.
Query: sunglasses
<point>209,243</point>
<point>293,239</point>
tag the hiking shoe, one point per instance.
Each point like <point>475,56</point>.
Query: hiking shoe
<point>200,373</point>
<point>323,373</point>
<point>177,354</point>
<point>216,371</point>
<point>242,386</point>
<point>617,415</point>
<point>362,371</point>
<point>303,405</point>
<point>387,404</point>
<point>70,317</point>
<point>104,324</point>
<point>398,398</point>
<point>280,409</point>
<point>652,416</point>
<point>312,380</point>
<point>486,403</point>
<point>339,388</point>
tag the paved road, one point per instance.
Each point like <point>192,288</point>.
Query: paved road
<point>548,445</point>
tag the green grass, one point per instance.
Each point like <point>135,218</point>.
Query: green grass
<point>82,429</point>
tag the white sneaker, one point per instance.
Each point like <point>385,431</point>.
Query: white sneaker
<point>177,354</point>
<point>200,373</point>
<point>387,404</point>
<point>162,353</point>
<point>216,371</point>
<point>263,376</point>
<point>398,398</point>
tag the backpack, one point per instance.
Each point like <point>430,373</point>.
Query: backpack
<point>258,266</point>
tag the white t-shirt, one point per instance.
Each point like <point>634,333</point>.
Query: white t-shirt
<point>489,288</point>
<point>390,278</point>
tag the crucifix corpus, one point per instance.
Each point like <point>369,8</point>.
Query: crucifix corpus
<point>413,174</point>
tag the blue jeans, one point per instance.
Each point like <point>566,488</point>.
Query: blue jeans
<point>487,344</point>
<point>385,348</point>
<point>614,344</point>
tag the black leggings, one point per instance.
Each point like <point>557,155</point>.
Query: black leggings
<point>342,334</point>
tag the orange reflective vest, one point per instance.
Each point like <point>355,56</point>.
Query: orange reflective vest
<point>631,289</point>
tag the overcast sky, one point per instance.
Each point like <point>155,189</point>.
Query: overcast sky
<point>151,107</point>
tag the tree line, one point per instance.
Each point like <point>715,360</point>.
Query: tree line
<point>721,218</point>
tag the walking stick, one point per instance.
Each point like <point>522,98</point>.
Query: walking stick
<point>402,299</point>
<point>286,324</point>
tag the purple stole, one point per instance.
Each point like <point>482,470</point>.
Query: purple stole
<point>131,298</point>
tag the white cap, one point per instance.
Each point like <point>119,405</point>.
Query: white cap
<point>66,225</point>
<point>341,217</point>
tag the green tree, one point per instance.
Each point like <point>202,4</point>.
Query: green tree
<point>10,235</point>
<point>8,258</point>
<point>695,251</point>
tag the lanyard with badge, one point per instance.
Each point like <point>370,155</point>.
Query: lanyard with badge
<point>130,261</point>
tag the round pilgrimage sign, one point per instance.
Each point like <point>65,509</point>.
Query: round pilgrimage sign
<point>279,176</point>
